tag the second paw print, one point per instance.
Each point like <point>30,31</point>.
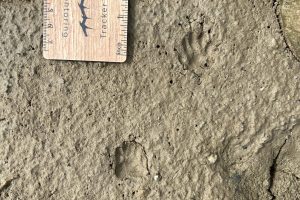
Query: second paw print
<point>194,50</point>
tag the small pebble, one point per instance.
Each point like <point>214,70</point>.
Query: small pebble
<point>157,177</point>
<point>212,159</point>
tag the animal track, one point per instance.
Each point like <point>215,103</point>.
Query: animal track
<point>131,160</point>
<point>194,51</point>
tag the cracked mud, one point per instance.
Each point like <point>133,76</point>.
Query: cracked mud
<point>207,106</point>
<point>290,19</point>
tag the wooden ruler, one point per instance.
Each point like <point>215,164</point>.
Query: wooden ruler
<point>91,30</point>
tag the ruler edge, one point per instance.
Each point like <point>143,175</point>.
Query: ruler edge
<point>86,60</point>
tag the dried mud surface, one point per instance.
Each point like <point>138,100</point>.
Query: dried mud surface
<point>290,20</point>
<point>206,107</point>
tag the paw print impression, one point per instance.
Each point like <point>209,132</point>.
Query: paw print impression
<point>194,51</point>
<point>131,161</point>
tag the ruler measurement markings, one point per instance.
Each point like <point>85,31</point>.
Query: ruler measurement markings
<point>44,30</point>
<point>46,25</point>
<point>122,45</point>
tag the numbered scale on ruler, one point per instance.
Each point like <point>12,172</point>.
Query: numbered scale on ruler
<point>85,30</point>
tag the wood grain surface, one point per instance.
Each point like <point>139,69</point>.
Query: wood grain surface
<point>85,30</point>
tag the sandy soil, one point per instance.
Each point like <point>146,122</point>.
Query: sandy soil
<point>206,107</point>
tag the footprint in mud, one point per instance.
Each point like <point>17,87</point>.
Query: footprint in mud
<point>290,19</point>
<point>194,51</point>
<point>131,160</point>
